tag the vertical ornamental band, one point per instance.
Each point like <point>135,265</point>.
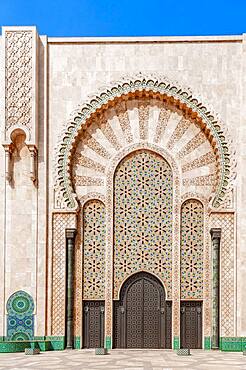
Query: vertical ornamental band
<point>70,239</point>
<point>215,236</point>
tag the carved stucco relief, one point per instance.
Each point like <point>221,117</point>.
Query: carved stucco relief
<point>150,123</point>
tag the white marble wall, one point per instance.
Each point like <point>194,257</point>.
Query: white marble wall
<point>23,203</point>
<point>2,196</point>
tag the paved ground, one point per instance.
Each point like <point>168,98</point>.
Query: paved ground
<point>124,359</point>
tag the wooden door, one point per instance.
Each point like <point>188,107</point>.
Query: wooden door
<point>93,327</point>
<point>191,324</point>
<point>140,315</point>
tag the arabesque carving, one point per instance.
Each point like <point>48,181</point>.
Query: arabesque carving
<point>140,86</point>
<point>18,78</point>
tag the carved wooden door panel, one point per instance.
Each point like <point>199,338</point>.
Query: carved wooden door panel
<point>191,324</point>
<point>140,315</point>
<point>152,312</point>
<point>93,327</point>
<point>134,315</point>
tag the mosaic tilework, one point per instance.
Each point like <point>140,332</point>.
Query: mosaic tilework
<point>77,314</point>
<point>60,222</point>
<point>225,221</point>
<point>191,256</point>
<point>94,240</point>
<point>20,318</point>
<point>143,196</point>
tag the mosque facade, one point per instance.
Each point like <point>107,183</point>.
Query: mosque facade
<point>123,191</point>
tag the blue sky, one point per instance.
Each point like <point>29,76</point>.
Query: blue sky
<point>127,17</point>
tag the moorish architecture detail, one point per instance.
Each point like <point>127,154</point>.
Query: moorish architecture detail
<point>94,250</point>
<point>143,200</point>
<point>18,78</point>
<point>20,74</point>
<point>152,86</point>
<point>20,319</point>
<point>108,217</point>
<point>191,255</point>
<point>60,223</point>
<point>225,221</point>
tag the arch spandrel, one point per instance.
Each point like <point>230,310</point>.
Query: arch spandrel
<point>148,111</point>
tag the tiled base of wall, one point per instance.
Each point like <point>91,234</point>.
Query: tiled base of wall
<point>49,343</point>
<point>52,343</point>
<point>108,342</point>
<point>233,344</point>
<point>176,343</point>
<point>76,343</point>
<point>207,343</point>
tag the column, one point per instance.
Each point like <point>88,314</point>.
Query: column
<point>215,236</point>
<point>70,238</point>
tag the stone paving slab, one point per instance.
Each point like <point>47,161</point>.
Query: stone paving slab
<point>124,360</point>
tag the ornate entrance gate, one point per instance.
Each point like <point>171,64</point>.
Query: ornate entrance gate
<point>191,324</point>
<point>142,318</point>
<point>93,324</point>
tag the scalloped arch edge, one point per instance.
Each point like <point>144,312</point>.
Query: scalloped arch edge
<point>66,198</point>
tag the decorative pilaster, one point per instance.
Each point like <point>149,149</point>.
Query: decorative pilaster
<point>70,238</point>
<point>176,263</point>
<point>215,236</point>
<point>21,91</point>
<point>21,103</point>
<point>109,265</point>
<point>33,164</point>
<point>8,168</point>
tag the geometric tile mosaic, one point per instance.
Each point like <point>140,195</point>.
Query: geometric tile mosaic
<point>20,318</point>
<point>191,254</point>
<point>60,222</point>
<point>94,250</point>
<point>143,203</point>
<point>225,221</point>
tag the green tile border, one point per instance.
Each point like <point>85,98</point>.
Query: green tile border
<point>176,343</point>
<point>232,344</point>
<point>108,342</point>
<point>56,343</point>
<point>14,346</point>
<point>243,343</point>
<point>76,342</point>
<point>49,343</point>
<point>207,342</point>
